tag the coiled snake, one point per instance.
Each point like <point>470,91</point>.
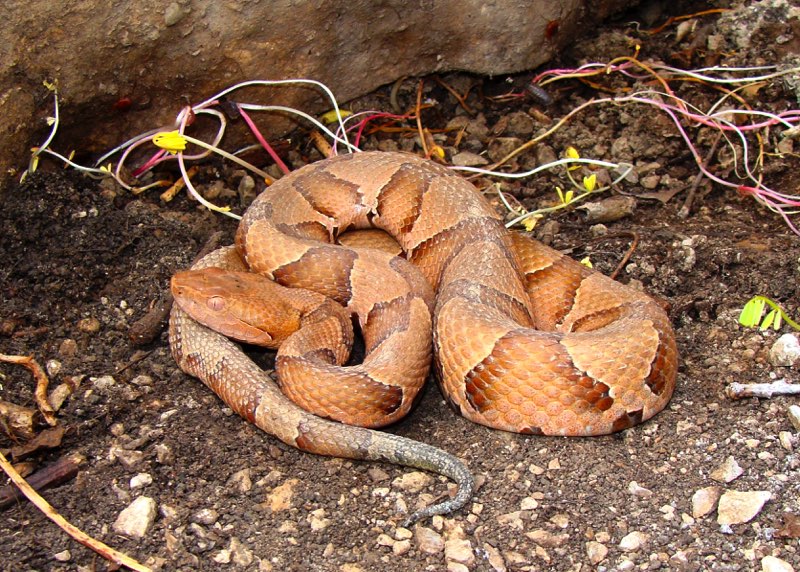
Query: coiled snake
<point>523,338</point>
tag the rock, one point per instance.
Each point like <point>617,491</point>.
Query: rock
<point>241,481</point>
<point>639,491</point>
<point>240,554</point>
<point>89,325</point>
<point>785,351</point>
<point>794,416</point>
<point>103,383</point>
<point>468,159</point>
<point>102,65</point>
<point>131,460</point>
<point>280,498</point>
<point>223,556</point>
<point>413,482</point>
<point>520,124</point>
<point>453,566</point>
<point>68,348</point>
<point>704,501</point>
<point>401,547</point>
<point>596,552</point>
<point>494,558</point>
<point>141,480</point>
<point>787,440</point>
<point>402,533</point>
<point>317,520</point>
<point>206,516</point>
<point>737,507</point>
<point>528,503</point>
<point>142,380</point>
<point>164,454</point>
<point>502,146</point>
<point>609,210</point>
<point>428,540</point>
<point>377,474</point>
<point>547,539</point>
<point>633,541</point>
<point>63,556</point>
<point>459,550</point>
<point>512,520</point>
<point>135,520</point>
<point>728,471</point>
<point>773,564</point>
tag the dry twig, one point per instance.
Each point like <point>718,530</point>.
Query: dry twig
<point>765,390</point>
<point>102,549</point>
<point>40,393</point>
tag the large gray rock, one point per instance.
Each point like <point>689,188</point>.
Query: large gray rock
<point>160,55</point>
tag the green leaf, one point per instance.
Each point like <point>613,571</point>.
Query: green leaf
<point>752,312</point>
<point>767,321</point>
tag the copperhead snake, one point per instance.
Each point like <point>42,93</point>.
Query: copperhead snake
<point>523,338</point>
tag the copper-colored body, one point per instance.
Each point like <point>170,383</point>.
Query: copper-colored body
<point>524,338</point>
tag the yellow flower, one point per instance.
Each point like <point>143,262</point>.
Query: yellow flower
<point>572,153</point>
<point>530,222</point>
<point>565,198</point>
<point>171,141</point>
<point>590,182</point>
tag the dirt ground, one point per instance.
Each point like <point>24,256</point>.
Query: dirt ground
<point>82,262</point>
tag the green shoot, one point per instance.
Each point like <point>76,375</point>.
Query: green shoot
<point>752,315</point>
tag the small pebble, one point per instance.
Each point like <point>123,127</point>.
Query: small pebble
<point>68,348</point>
<point>785,352</point>
<point>413,482</point>
<point>428,540</point>
<point>773,564</point>
<point>141,480</point>
<point>737,507</point>
<point>135,520</point>
<point>241,481</point>
<point>633,541</point>
<point>596,552</point>
<point>241,555</point>
<point>639,491</point>
<point>89,325</point>
<point>704,501</point>
<point>207,516</point>
<point>459,550</point>
<point>142,380</point>
<point>728,471</point>
<point>317,520</point>
<point>468,159</point>
<point>63,556</point>
<point>786,440</point>
<point>794,416</point>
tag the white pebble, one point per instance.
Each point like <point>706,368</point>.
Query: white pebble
<point>135,520</point>
<point>141,480</point>
<point>785,351</point>
<point>633,541</point>
<point>773,564</point>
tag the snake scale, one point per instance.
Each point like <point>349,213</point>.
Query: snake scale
<point>522,338</point>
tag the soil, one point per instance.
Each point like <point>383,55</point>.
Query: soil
<point>83,262</point>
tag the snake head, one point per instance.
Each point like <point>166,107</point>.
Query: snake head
<point>240,305</point>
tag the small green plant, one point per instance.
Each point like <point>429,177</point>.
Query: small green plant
<point>753,316</point>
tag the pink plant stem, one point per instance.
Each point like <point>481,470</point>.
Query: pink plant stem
<point>263,141</point>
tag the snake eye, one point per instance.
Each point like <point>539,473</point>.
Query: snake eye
<point>216,303</point>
